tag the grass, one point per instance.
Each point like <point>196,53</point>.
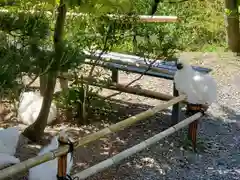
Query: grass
<point>213,48</point>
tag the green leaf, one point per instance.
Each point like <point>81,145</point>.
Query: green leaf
<point>57,2</point>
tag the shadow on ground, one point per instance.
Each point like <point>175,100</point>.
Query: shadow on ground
<point>161,161</point>
<point>105,147</point>
<point>169,159</point>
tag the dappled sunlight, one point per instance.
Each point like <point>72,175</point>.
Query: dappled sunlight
<point>150,163</point>
<point>217,138</point>
<point>234,172</point>
<point>224,114</point>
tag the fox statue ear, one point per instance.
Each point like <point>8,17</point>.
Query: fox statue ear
<point>179,66</point>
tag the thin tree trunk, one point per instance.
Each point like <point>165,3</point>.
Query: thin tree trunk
<point>63,81</point>
<point>154,7</point>
<point>35,131</point>
<point>232,25</point>
<point>43,83</point>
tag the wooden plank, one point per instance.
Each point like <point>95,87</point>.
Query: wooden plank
<point>134,69</point>
<point>136,64</point>
<point>154,72</point>
<point>131,90</point>
<point>157,19</point>
<point>121,58</point>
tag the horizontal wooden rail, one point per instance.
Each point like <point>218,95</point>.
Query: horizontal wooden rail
<point>129,89</point>
<point>25,165</point>
<point>135,149</point>
<point>123,88</point>
<point>132,90</point>
<point>116,87</point>
<point>143,18</point>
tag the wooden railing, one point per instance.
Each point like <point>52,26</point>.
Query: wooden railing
<point>25,165</point>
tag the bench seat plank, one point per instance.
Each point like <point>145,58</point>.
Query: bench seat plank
<point>112,61</point>
<point>134,69</point>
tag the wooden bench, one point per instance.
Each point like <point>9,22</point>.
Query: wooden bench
<point>135,64</point>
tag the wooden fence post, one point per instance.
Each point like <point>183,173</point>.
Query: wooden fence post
<point>63,159</point>
<point>232,25</point>
<point>192,129</point>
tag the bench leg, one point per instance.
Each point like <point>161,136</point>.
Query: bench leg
<point>192,133</point>
<point>175,108</point>
<point>115,76</point>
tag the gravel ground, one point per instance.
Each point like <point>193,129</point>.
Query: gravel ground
<point>218,156</point>
<point>219,134</point>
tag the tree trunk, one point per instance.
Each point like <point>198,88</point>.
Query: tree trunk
<point>83,106</point>
<point>43,83</point>
<point>154,7</point>
<point>35,131</point>
<point>63,81</point>
<point>232,25</point>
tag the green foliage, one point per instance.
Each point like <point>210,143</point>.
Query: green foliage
<point>78,98</point>
<point>104,6</point>
<point>156,41</point>
<point>30,25</point>
<point>73,97</point>
<point>20,35</point>
<point>202,23</point>
<point>27,37</point>
<point>9,69</point>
